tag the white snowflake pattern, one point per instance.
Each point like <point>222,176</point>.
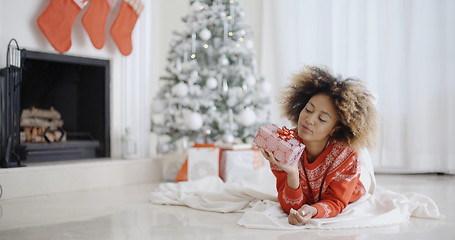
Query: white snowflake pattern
<point>326,209</point>
<point>292,201</point>
<point>334,160</point>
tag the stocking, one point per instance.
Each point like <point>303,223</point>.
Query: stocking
<point>57,20</point>
<point>94,21</point>
<point>124,23</point>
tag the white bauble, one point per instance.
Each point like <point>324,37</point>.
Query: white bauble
<point>250,80</point>
<point>247,117</point>
<point>194,74</point>
<point>193,77</point>
<point>249,44</point>
<point>196,6</point>
<point>211,83</point>
<point>266,87</point>
<point>163,148</point>
<point>180,90</point>
<point>193,121</point>
<point>205,34</point>
<point>223,60</point>
<point>228,138</point>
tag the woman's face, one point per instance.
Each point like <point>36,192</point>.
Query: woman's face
<point>318,119</point>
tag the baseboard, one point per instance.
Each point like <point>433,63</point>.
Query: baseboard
<point>69,176</point>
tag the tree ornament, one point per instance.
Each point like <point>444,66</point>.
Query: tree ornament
<point>247,117</point>
<point>205,34</point>
<point>197,6</point>
<point>249,44</point>
<point>180,90</point>
<point>224,61</point>
<point>193,121</point>
<point>193,77</point>
<point>163,148</point>
<point>265,87</point>
<point>228,138</point>
<point>250,80</point>
<point>211,83</point>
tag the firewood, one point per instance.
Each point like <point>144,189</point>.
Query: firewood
<point>51,137</point>
<point>28,134</point>
<point>40,122</point>
<point>41,113</point>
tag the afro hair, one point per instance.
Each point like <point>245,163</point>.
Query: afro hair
<point>353,102</point>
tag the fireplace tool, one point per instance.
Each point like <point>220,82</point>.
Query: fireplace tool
<point>11,151</point>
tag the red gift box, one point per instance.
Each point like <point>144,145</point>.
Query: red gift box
<point>282,142</point>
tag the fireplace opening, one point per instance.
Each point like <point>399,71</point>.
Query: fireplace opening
<point>78,89</point>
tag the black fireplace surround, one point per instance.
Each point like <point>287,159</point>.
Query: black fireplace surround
<point>77,87</point>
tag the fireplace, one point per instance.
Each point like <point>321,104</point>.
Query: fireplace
<point>76,87</point>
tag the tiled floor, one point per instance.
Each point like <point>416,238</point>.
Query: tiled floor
<point>125,213</point>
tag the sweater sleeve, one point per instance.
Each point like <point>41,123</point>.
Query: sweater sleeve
<point>287,197</point>
<point>340,191</point>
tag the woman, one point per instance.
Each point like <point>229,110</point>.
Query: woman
<point>334,118</point>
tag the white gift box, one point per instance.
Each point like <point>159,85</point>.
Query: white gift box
<point>202,162</point>
<point>236,164</point>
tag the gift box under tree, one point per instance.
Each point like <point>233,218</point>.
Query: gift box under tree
<point>202,160</point>
<point>236,164</point>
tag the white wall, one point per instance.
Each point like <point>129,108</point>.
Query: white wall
<point>158,21</point>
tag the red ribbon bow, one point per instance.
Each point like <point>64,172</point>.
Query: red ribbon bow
<point>285,133</point>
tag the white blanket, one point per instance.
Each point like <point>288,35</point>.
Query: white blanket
<point>256,196</point>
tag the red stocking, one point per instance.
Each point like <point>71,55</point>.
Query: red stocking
<point>94,21</point>
<point>57,20</point>
<point>124,24</point>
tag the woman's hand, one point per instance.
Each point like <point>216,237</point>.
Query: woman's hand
<point>289,168</point>
<point>292,170</point>
<point>302,216</point>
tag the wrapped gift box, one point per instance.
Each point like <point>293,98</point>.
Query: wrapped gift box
<point>283,143</point>
<point>202,162</point>
<point>236,164</point>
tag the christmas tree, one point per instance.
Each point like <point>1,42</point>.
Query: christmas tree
<point>212,90</point>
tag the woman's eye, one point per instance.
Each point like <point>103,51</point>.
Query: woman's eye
<point>308,110</point>
<point>322,120</point>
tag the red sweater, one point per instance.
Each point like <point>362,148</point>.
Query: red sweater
<point>329,183</point>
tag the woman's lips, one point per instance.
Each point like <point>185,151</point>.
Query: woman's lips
<point>305,129</point>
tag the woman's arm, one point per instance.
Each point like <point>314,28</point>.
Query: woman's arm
<point>343,188</point>
<point>287,197</point>
<point>290,193</point>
